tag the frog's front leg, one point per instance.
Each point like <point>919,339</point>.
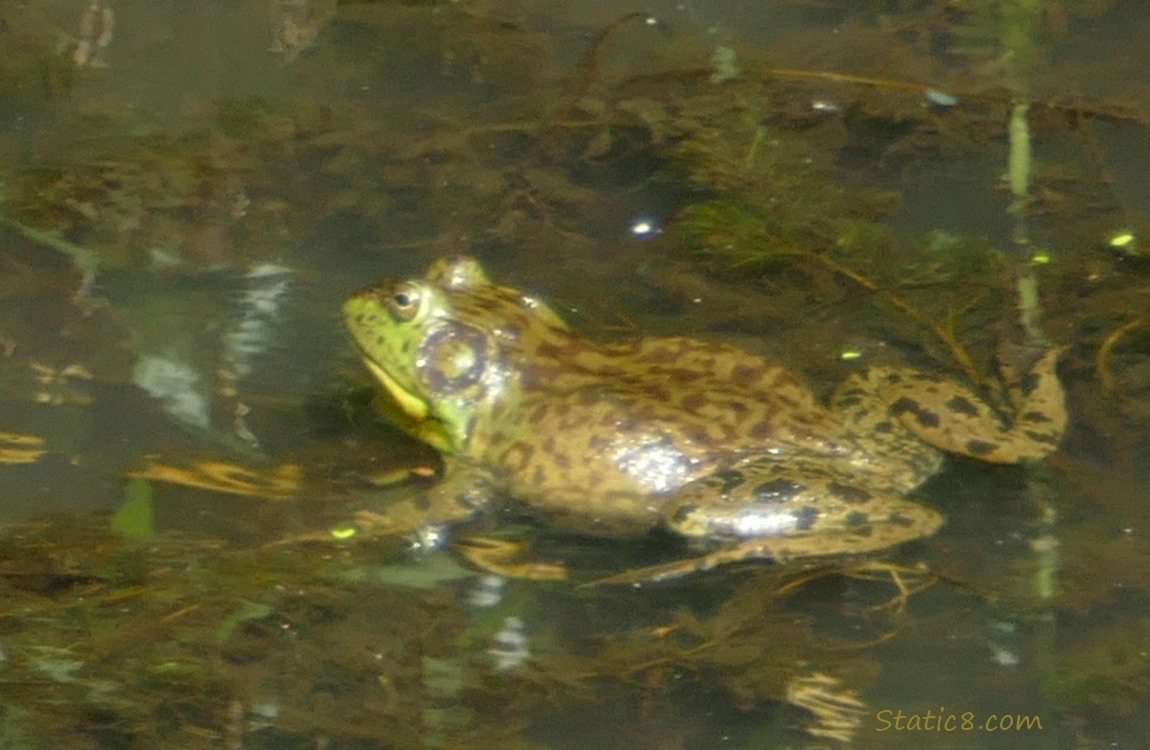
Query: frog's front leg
<point>462,491</point>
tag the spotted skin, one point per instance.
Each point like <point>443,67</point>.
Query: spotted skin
<point>702,438</point>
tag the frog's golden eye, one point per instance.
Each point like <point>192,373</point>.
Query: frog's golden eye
<point>404,302</point>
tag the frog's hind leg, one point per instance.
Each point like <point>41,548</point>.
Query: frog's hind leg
<point>844,544</point>
<point>951,417</point>
<point>766,509</point>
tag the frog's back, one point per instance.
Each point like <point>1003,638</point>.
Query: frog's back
<point>607,433</point>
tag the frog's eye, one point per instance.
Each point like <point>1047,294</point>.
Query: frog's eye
<point>404,302</point>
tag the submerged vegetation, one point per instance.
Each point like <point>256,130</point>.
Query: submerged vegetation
<point>792,184</point>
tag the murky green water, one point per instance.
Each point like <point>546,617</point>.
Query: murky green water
<point>190,189</point>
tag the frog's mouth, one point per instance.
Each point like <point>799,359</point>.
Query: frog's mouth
<point>409,403</point>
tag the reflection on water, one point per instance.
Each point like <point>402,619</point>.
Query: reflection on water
<point>190,189</point>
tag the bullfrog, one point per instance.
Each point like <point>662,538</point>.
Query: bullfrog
<point>700,438</point>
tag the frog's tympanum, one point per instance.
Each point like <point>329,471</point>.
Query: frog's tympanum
<point>704,439</point>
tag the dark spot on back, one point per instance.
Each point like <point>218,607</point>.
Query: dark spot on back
<point>805,517</point>
<point>547,350</point>
<point>762,430</point>
<point>744,374</point>
<point>729,480</point>
<point>693,402</point>
<point>849,494</point>
<point>677,376</point>
<point>962,405</point>
<point>697,434</point>
<point>1041,437</point>
<point>856,520</point>
<point>898,519</point>
<point>598,442</point>
<point>905,405</point>
<point>518,456</point>
<point>979,447</point>
<point>1035,416</point>
<point>1029,383</point>
<point>776,490</point>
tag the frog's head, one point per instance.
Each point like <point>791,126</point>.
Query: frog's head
<point>448,349</point>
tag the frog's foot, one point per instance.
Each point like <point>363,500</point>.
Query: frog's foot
<point>777,549</point>
<point>951,417</point>
<point>494,556</point>
<point>455,498</point>
<point>837,709</point>
<point>278,483</point>
<point>657,573</point>
<point>400,518</point>
<point>16,448</point>
<point>669,571</point>
<point>907,580</point>
<point>396,476</point>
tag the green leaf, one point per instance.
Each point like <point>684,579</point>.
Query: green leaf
<point>133,518</point>
<point>247,612</point>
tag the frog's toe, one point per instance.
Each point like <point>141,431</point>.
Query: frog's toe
<point>500,557</point>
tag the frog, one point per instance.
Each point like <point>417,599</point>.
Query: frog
<point>717,445</point>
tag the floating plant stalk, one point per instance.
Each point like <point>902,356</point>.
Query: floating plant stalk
<point>1029,307</point>
<point>1020,43</point>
